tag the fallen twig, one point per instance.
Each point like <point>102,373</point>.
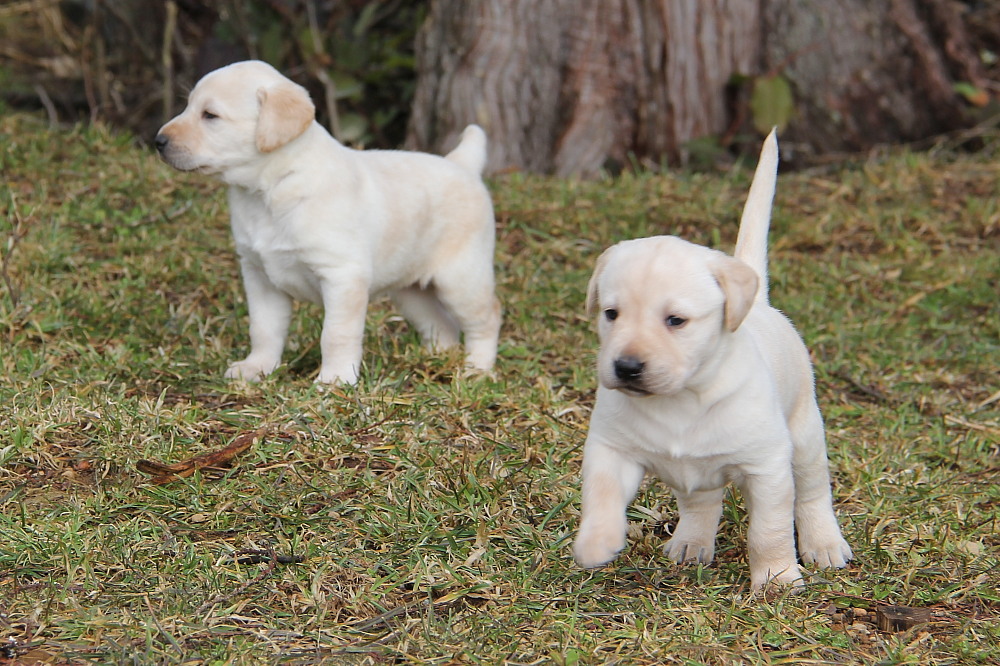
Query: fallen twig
<point>261,556</point>
<point>165,473</point>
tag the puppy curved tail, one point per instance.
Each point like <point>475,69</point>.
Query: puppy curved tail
<point>751,243</point>
<point>470,153</point>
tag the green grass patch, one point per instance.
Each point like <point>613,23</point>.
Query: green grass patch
<point>428,517</point>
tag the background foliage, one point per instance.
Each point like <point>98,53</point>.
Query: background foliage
<point>131,63</point>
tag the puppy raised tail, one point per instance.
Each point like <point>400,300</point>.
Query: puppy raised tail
<point>751,243</point>
<point>470,153</point>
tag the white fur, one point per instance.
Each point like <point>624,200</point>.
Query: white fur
<point>314,220</point>
<point>703,383</point>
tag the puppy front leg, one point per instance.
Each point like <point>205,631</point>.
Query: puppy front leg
<point>345,304</point>
<point>770,500</point>
<point>610,481</point>
<point>270,313</point>
<point>694,536</point>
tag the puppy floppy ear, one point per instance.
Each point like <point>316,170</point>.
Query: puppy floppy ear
<point>739,284</point>
<point>593,296</point>
<point>285,112</point>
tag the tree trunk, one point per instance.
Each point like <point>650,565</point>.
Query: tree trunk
<point>870,72</point>
<point>574,86</point>
<point>568,86</point>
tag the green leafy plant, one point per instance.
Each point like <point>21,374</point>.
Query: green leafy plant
<point>771,103</point>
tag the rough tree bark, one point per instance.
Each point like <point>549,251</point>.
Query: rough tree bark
<point>868,72</point>
<point>569,86</point>
<point>565,86</point>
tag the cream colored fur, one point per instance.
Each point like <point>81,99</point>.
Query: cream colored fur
<point>703,383</point>
<point>314,220</point>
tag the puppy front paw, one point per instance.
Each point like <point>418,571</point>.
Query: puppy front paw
<point>593,551</point>
<point>250,370</point>
<point>831,552</point>
<point>689,550</point>
<point>790,575</point>
<point>347,376</point>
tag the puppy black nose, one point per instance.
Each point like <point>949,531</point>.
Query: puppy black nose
<point>628,368</point>
<point>161,142</point>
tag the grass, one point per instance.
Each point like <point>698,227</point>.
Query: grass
<point>428,518</point>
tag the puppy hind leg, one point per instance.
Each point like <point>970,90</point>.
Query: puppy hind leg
<point>482,334</point>
<point>820,541</point>
<point>694,536</point>
<point>425,311</point>
<point>471,298</point>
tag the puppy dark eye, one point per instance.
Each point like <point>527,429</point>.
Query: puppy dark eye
<point>611,314</point>
<point>208,115</point>
<point>673,321</point>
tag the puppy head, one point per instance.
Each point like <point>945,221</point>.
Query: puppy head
<point>663,307</point>
<point>235,115</point>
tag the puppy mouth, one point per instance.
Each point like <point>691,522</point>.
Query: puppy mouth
<point>194,168</point>
<point>179,162</point>
<point>632,389</point>
<point>183,160</point>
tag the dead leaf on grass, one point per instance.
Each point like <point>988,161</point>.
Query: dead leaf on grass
<point>165,473</point>
<point>36,656</point>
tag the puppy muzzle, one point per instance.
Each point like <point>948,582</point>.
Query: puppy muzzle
<point>629,376</point>
<point>168,151</point>
<point>175,155</point>
<point>161,142</point>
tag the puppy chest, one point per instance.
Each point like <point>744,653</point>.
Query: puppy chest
<point>286,271</point>
<point>690,475</point>
<point>700,457</point>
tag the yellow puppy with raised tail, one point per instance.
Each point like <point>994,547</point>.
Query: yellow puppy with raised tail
<point>703,383</point>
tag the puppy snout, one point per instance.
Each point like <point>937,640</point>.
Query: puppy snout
<point>628,368</point>
<point>161,141</point>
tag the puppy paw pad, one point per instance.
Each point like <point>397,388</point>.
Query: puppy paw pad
<point>689,551</point>
<point>834,555</point>
<point>790,576</point>
<point>332,379</point>
<point>593,555</point>
<point>247,372</point>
